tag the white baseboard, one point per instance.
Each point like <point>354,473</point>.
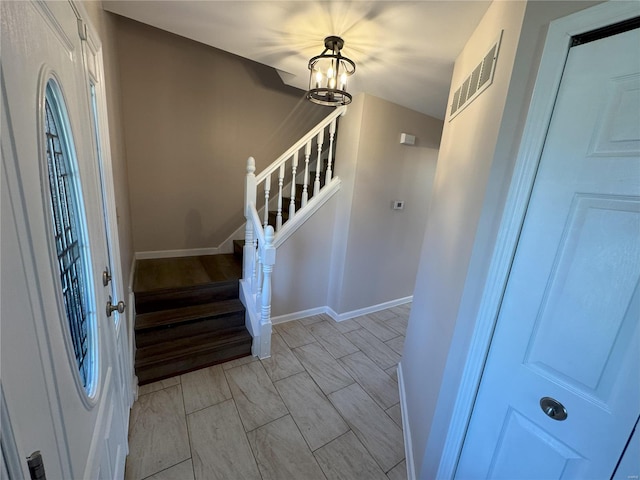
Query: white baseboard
<point>339,317</point>
<point>406,429</point>
<point>298,315</point>
<point>193,252</point>
<point>225,247</point>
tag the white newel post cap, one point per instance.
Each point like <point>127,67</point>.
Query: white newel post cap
<point>251,165</point>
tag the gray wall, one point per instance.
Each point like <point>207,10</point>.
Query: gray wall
<point>475,164</point>
<point>193,115</point>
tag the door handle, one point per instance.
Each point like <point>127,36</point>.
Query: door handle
<point>119,307</point>
<point>553,408</point>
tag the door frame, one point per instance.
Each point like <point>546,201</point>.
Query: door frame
<point>124,323</point>
<point>554,56</point>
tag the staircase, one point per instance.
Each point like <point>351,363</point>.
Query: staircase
<point>193,312</point>
<point>188,315</point>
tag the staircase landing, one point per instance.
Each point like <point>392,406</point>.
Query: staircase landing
<point>188,315</point>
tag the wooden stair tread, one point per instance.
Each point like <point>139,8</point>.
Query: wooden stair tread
<point>191,346</point>
<point>191,313</point>
<point>159,274</point>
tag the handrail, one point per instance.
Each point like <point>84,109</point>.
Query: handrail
<point>300,143</point>
<point>259,252</point>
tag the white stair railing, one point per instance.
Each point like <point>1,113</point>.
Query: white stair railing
<point>259,256</point>
<point>261,233</point>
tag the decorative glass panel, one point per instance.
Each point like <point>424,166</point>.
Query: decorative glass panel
<point>68,226</point>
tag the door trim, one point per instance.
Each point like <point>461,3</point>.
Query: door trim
<point>96,71</point>
<point>541,107</point>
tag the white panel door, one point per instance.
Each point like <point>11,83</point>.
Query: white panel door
<point>80,434</point>
<point>568,326</point>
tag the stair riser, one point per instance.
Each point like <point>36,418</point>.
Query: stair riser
<point>238,248</point>
<point>182,365</point>
<point>154,336</point>
<point>273,217</point>
<point>176,298</point>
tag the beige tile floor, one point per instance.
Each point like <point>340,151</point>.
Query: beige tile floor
<point>324,406</point>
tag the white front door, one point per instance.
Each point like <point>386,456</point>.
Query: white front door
<point>560,392</point>
<point>59,362</point>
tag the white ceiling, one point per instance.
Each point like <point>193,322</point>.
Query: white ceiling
<point>404,51</point>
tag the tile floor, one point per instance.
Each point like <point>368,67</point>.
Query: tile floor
<point>324,406</point>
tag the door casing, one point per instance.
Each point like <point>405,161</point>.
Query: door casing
<point>94,67</point>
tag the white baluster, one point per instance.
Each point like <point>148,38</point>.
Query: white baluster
<point>269,259</point>
<point>256,267</point>
<point>332,133</point>
<point>307,155</point>
<point>248,254</point>
<point>292,204</point>
<point>316,184</point>
<point>259,277</point>
<point>267,189</point>
<point>248,259</point>
<point>280,183</point>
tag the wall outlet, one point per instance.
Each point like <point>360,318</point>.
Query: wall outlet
<point>397,204</point>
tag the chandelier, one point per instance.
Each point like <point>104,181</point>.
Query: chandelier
<point>328,75</point>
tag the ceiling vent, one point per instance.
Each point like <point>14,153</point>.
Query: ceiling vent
<point>476,82</point>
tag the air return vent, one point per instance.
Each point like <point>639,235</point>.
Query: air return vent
<point>476,82</point>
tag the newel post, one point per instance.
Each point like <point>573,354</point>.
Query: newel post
<point>250,192</point>
<point>268,261</point>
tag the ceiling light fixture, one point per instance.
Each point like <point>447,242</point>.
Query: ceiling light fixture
<point>328,76</point>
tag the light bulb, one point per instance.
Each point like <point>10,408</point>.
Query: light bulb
<point>343,81</point>
<point>330,72</point>
<point>318,79</point>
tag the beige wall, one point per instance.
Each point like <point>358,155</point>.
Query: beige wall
<point>381,245</point>
<point>475,164</point>
<point>104,23</point>
<point>193,115</point>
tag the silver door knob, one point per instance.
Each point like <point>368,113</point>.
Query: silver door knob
<point>119,307</point>
<point>553,408</point>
